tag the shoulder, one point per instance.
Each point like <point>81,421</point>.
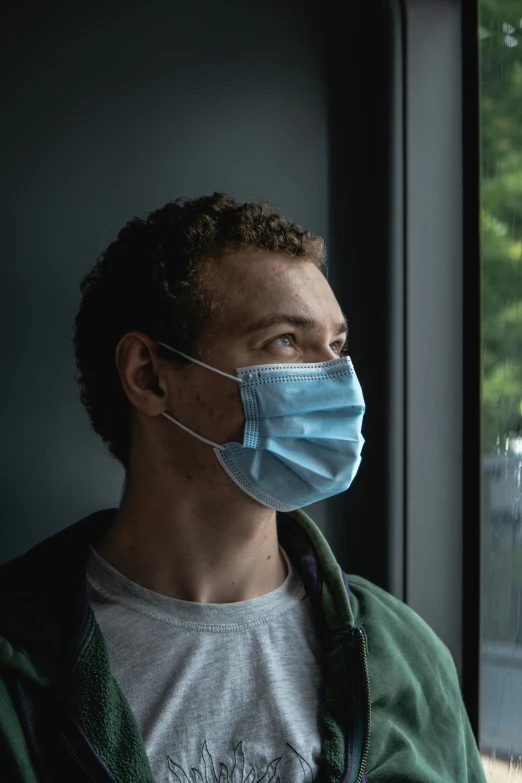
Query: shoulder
<point>398,638</point>
<point>420,729</point>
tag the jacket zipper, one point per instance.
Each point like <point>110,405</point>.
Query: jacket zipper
<point>73,755</point>
<point>361,640</point>
<point>82,642</point>
<point>68,742</point>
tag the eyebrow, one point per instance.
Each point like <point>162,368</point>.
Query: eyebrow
<point>300,321</point>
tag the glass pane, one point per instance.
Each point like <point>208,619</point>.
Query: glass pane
<point>500,37</point>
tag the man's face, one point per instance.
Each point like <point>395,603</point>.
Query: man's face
<point>274,309</point>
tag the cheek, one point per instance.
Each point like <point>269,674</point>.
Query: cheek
<point>220,412</point>
<point>235,418</point>
<point>231,407</point>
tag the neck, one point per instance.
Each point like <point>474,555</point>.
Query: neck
<point>208,544</point>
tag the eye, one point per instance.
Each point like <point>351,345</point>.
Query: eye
<point>340,348</point>
<point>288,340</point>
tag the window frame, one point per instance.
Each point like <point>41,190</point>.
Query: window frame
<point>418,536</point>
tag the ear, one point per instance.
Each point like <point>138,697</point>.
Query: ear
<point>142,374</point>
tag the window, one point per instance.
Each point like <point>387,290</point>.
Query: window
<point>500,57</point>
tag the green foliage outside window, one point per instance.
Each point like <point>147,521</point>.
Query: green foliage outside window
<point>500,42</point>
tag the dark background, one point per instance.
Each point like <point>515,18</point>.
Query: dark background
<point>109,112</point>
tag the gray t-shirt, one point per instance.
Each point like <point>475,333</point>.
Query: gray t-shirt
<point>224,693</point>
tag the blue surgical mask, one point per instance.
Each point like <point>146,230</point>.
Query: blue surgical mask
<point>302,441</point>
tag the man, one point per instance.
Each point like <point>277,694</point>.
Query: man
<point>203,630</point>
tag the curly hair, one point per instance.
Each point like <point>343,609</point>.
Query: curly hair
<point>150,279</point>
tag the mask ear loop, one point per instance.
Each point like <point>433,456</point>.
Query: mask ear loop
<point>190,358</point>
<point>200,437</point>
<point>208,367</point>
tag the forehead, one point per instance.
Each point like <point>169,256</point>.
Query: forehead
<point>252,284</point>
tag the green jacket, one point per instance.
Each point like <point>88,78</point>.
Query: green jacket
<point>392,711</point>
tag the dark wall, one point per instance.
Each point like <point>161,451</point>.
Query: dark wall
<point>109,113</point>
<point>112,110</point>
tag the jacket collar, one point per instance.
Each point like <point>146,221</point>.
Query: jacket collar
<point>43,593</point>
